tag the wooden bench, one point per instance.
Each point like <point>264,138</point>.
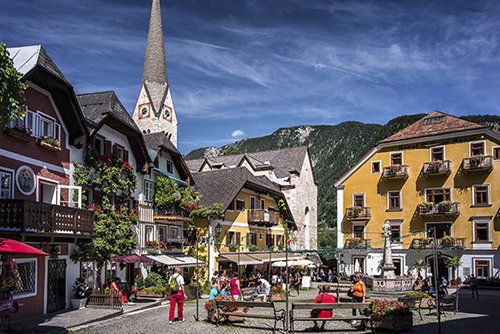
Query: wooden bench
<point>339,288</point>
<point>366,307</point>
<point>223,314</point>
<point>104,300</point>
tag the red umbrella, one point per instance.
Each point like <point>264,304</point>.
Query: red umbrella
<point>10,246</point>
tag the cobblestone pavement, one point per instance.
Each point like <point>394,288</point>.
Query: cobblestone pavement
<point>476,316</point>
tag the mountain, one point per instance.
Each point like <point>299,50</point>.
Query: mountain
<point>334,149</point>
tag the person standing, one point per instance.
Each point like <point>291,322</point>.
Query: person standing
<point>473,286</point>
<point>234,285</point>
<point>177,295</point>
<point>358,293</point>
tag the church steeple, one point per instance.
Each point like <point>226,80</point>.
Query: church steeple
<point>154,110</point>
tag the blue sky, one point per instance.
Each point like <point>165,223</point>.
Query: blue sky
<point>245,68</point>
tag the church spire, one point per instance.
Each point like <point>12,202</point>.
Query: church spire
<point>155,68</point>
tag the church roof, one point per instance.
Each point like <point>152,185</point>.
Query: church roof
<point>434,123</point>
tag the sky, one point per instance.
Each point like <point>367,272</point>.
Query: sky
<point>245,68</point>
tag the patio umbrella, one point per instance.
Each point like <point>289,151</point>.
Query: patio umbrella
<point>133,258</point>
<point>356,266</point>
<point>9,246</point>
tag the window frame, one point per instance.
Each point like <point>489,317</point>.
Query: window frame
<point>171,233</point>
<point>148,191</point>
<point>399,224</point>
<point>356,224</point>
<point>426,198</point>
<point>475,263</point>
<point>379,162</point>
<point>56,127</point>
<point>169,165</point>
<point>253,203</point>
<point>239,200</point>
<point>162,233</point>
<point>354,200</point>
<point>390,158</point>
<point>99,150</point>
<point>4,170</point>
<point>146,228</point>
<point>483,142</point>
<point>488,192</point>
<point>476,221</point>
<point>400,198</point>
<point>262,204</point>
<point>493,153</point>
<point>431,152</point>
<point>27,294</point>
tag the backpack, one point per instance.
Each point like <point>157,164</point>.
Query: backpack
<point>173,282</point>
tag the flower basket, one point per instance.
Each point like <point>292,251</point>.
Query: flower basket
<point>20,133</point>
<point>393,322</point>
<point>50,144</point>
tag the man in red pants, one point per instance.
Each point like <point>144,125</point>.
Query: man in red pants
<point>177,295</point>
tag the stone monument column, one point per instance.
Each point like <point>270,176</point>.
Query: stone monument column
<point>388,268</point>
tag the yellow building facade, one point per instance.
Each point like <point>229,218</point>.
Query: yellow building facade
<point>440,175</point>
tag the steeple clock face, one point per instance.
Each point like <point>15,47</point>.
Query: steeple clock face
<point>143,111</point>
<point>166,112</point>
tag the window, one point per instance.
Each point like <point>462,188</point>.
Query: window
<point>438,195</point>
<point>148,191</point>
<point>6,189</point>
<point>27,274</point>
<point>442,230</point>
<point>99,145</point>
<point>240,205</point>
<point>358,231</point>
<point>481,232</point>
<point>46,127</point>
<point>359,200</point>
<point>262,204</point>
<point>476,149</point>
<point>437,153</point>
<point>174,232</point>
<point>162,233</point>
<point>170,167</point>
<point>396,159</point>
<point>433,120</point>
<point>279,240</point>
<point>496,152</point>
<point>118,152</point>
<point>231,238</point>
<point>231,206</point>
<point>481,195</point>
<point>253,203</point>
<point>149,233</point>
<point>376,167</point>
<point>482,268</point>
<point>396,233</point>
<point>252,238</point>
<point>394,198</point>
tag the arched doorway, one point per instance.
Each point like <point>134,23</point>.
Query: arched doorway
<point>442,270</point>
<point>307,231</point>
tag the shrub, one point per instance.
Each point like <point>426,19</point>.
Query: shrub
<point>154,279</point>
<point>383,308</point>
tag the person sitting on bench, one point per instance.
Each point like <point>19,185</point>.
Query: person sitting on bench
<point>323,297</point>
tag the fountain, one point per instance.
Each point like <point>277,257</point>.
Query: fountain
<point>388,282</point>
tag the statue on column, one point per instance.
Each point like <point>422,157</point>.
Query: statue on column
<point>388,268</point>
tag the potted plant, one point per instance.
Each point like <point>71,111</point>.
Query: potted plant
<point>476,161</point>
<point>277,292</point>
<point>81,292</point>
<point>391,315</point>
<point>50,143</point>
<point>434,166</point>
<point>445,207</point>
<point>233,247</point>
<point>425,207</point>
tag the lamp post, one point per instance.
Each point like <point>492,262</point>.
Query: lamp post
<point>286,273</point>
<point>436,281</point>
<point>218,231</point>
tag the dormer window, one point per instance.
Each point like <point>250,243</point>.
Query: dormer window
<point>170,167</point>
<point>433,120</point>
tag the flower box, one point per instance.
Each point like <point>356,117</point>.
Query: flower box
<point>19,134</point>
<point>49,146</point>
<point>393,322</point>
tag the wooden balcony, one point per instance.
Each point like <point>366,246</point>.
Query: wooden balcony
<point>263,217</point>
<point>395,172</point>
<point>170,212</point>
<point>443,209</point>
<point>356,243</point>
<point>478,163</point>
<point>358,213</point>
<point>443,243</point>
<point>45,219</point>
<point>437,168</point>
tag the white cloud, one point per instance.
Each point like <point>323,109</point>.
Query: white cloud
<point>237,133</point>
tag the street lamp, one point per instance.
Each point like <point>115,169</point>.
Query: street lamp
<point>218,230</point>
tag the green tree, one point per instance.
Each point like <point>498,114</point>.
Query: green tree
<point>12,104</point>
<point>419,265</point>
<point>453,263</point>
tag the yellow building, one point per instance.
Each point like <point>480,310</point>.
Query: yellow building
<point>251,226</point>
<point>440,174</point>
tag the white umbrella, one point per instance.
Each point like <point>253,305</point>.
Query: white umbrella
<point>356,266</point>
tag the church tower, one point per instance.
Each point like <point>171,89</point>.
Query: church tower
<point>154,110</point>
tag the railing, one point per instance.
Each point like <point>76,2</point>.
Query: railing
<point>478,163</point>
<point>395,172</point>
<point>355,243</point>
<point>446,243</point>
<point>358,212</point>
<point>169,210</point>
<point>440,209</point>
<point>437,167</point>
<point>146,213</point>
<point>37,217</point>
<point>263,217</point>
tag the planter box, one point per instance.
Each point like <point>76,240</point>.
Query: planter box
<point>393,323</point>
<point>49,147</point>
<point>19,134</point>
<point>142,293</point>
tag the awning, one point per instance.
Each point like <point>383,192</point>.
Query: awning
<point>133,258</point>
<point>243,259</point>
<point>264,257</point>
<point>177,260</point>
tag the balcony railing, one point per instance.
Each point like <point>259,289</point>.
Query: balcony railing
<point>443,243</point>
<point>395,172</point>
<point>437,167</point>
<point>43,218</point>
<point>478,163</point>
<point>169,210</point>
<point>443,209</point>
<point>358,213</point>
<point>263,217</point>
<point>356,243</point>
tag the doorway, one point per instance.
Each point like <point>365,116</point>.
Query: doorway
<point>398,264</point>
<point>442,270</point>
<point>56,285</point>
